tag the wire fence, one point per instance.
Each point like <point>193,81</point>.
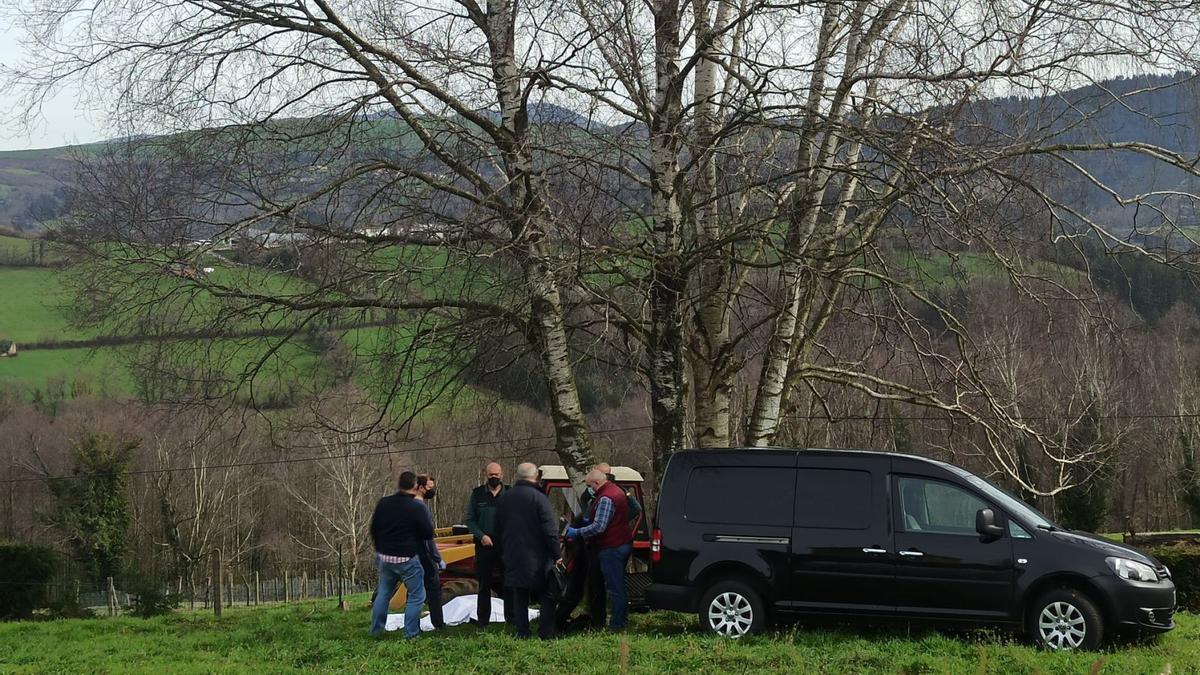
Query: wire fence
<point>213,582</point>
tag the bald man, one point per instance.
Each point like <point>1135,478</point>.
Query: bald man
<point>481,521</point>
<point>529,546</point>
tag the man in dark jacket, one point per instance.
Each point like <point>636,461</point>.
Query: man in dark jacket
<point>481,521</point>
<point>431,557</point>
<point>400,528</point>
<point>529,547</point>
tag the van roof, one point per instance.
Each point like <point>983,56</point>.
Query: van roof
<point>835,452</point>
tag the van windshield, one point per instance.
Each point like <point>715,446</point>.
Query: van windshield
<point>1006,501</point>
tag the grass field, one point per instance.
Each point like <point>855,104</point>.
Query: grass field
<point>315,637</point>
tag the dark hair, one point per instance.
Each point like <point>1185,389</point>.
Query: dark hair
<point>408,480</point>
<point>423,479</point>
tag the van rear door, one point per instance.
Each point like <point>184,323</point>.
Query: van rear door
<point>842,558</point>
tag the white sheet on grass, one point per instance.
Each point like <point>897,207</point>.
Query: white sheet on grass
<point>459,610</point>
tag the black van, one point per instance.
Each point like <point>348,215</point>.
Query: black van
<point>744,534</point>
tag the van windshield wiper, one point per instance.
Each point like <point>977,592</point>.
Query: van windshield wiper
<point>1049,528</point>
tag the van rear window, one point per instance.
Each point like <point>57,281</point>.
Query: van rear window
<point>743,495</point>
<point>834,499</point>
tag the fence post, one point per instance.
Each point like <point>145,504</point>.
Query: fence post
<point>112,597</point>
<point>304,585</point>
<point>219,575</point>
<point>341,584</point>
<point>257,588</point>
<point>287,587</point>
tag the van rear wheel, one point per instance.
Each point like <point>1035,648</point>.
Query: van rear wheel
<point>1065,619</point>
<point>732,609</point>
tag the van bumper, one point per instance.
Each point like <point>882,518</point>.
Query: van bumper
<point>671,597</point>
<point>1140,605</point>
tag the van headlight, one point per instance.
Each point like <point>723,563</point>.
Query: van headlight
<point>1131,569</point>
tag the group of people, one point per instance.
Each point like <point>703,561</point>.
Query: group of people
<point>519,554</point>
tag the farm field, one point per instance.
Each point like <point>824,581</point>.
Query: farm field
<point>316,637</point>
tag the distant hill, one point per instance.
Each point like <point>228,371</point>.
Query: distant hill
<point>1158,109</point>
<point>1162,110</point>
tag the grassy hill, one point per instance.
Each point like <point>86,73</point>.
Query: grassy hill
<point>53,355</point>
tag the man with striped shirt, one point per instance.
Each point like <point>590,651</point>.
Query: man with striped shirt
<point>401,529</point>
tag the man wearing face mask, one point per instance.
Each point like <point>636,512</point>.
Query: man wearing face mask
<point>431,558</point>
<point>481,521</point>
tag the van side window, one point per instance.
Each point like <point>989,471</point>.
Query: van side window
<point>741,495</point>
<point>937,507</point>
<point>835,499</point>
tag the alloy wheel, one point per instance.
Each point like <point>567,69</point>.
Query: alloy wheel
<point>1062,626</point>
<point>730,614</point>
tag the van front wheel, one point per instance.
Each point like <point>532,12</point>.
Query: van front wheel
<point>732,609</point>
<point>1065,619</point>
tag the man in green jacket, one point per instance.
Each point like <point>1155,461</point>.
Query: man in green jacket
<point>481,521</point>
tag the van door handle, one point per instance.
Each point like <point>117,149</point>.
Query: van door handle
<point>876,551</point>
<point>912,554</point>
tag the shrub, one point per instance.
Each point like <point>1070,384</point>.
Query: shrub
<point>68,607</point>
<point>152,601</point>
<point>1184,561</point>
<point>26,571</point>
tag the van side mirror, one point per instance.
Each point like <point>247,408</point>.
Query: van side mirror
<point>985,524</point>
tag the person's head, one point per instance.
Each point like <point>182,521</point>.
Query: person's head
<point>527,471</point>
<point>493,474</point>
<point>407,482</point>
<point>595,478</point>
<point>425,486</point>
<point>606,468</point>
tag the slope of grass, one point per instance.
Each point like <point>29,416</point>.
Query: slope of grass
<point>98,371</point>
<point>315,637</point>
<point>31,305</point>
<point>937,268</point>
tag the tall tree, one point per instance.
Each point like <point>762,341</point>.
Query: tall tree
<point>91,505</point>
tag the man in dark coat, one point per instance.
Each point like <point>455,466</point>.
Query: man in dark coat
<point>481,521</point>
<point>529,549</point>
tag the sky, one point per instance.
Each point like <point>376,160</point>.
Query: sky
<point>63,121</point>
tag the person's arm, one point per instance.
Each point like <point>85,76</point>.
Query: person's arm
<point>425,525</point>
<point>604,512</point>
<point>434,553</point>
<point>471,520</point>
<point>375,526</point>
<point>549,529</point>
<point>635,507</point>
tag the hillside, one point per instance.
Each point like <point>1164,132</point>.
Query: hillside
<point>1160,109</point>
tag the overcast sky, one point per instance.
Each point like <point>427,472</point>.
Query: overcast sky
<point>62,122</point>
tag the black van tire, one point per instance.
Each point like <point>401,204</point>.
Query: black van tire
<point>732,608</point>
<point>1057,616</point>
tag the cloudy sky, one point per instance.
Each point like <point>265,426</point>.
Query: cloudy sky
<point>62,120</point>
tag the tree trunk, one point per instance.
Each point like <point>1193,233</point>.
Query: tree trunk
<point>713,377</point>
<point>668,281</point>
<point>529,227</point>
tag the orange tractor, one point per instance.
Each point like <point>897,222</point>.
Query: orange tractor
<point>458,547</point>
